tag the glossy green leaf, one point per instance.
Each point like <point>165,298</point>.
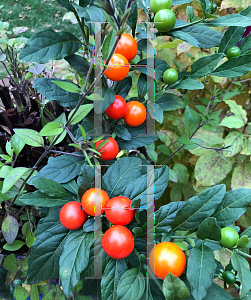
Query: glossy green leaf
<point>131,285</point>
<point>40,199</point>
<point>111,276</point>
<point>80,114</point>
<point>243,241</point>
<point>234,67</point>
<point>197,35</point>
<point>51,91</point>
<point>241,265</point>
<point>108,44</point>
<point>201,267</point>
<point>16,245</point>
<point>74,258</point>
<point>234,204</point>
<point>68,86</point>
<point>170,102</point>
<point>198,208</point>
<point>175,288</point>
<point>49,45</point>
<point>17,144</point>
<point>43,262</point>
<point>165,215</point>
<point>62,168</point>
<point>51,129</point>
<point>189,84</point>
<point>122,132</point>
<point>139,138</point>
<point>140,189</point>
<point>209,229</point>
<point>205,65</point>
<point>30,137</point>
<point>13,176</point>
<point>229,20</point>
<point>50,187</point>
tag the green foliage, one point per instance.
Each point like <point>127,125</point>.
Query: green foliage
<point>194,166</point>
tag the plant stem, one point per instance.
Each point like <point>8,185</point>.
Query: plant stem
<point>29,221</point>
<point>71,135</point>
<point>187,25</point>
<point>230,85</point>
<point>20,210</point>
<point>209,103</point>
<point>244,80</point>
<point>81,27</point>
<point>66,153</point>
<point>12,81</point>
<point>170,156</point>
<point>33,216</point>
<point>242,253</point>
<point>43,106</point>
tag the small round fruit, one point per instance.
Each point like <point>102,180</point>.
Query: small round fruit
<point>229,277</point>
<point>118,68</point>
<point>118,210</point>
<point>117,110</point>
<point>214,8</point>
<point>233,52</point>
<point>110,150</point>
<point>229,237</point>
<point>117,242</point>
<point>92,198</point>
<point>127,46</point>
<point>167,19</point>
<point>156,5</point>
<point>170,76</point>
<point>167,257</point>
<point>135,114</point>
<point>72,216</point>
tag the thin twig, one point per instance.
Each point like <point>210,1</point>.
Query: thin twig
<point>89,72</point>
<point>20,210</point>
<point>242,253</point>
<point>171,155</point>
<point>209,103</point>
<point>81,26</point>
<point>66,153</point>
<point>71,135</point>
<point>212,148</point>
<point>29,221</point>
<point>230,85</point>
<point>243,80</point>
<point>33,216</point>
<point>12,81</point>
<point>45,109</point>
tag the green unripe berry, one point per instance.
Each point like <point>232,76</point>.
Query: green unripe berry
<point>229,277</point>
<point>167,20</point>
<point>156,5</point>
<point>229,237</point>
<point>170,76</point>
<point>233,52</point>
